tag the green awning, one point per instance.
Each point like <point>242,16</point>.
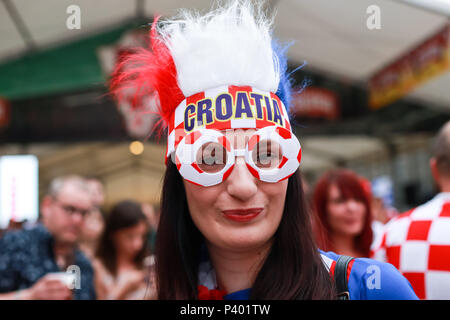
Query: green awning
<point>68,67</point>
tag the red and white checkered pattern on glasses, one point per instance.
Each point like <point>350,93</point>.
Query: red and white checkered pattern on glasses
<point>417,243</point>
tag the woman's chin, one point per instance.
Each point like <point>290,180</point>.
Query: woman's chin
<point>242,240</point>
<point>353,232</point>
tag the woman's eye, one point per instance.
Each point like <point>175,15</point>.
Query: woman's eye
<point>338,200</point>
<point>211,161</point>
<point>212,157</point>
<point>267,160</point>
<point>265,156</point>
<point>268,154</point>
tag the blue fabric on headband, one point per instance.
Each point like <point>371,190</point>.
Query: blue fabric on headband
<point>284,87</point>
<point>285,91</point>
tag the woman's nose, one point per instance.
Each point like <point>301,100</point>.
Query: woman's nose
<point>352,204</point>
<point>241,183</point>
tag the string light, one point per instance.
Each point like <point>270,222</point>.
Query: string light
<point>136,147</point>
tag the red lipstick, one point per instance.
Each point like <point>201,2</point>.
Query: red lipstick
<point>242,215</point>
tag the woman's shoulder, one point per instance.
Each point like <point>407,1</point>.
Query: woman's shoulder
<point>370,279</point>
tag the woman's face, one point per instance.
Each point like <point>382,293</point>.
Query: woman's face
<point>129,241</point>
<point>345,217</point>
<point>240,213</point>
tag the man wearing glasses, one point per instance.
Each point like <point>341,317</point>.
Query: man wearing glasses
<point>44,262</point>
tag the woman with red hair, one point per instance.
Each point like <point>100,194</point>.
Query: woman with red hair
<point>343,213</point>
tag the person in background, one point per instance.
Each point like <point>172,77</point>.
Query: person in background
<point>119,265</point>
<point>382,210</point>
<point>343,214</point>
<point>97,190</point>
<point>94,222</point>
<point>381,213</point>
<point>382,200</point>
<point>152,212</point>
<point>29,258</point>
<point>152,215</point>
<point>417,242</point>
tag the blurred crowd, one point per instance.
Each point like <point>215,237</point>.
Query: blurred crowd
<point>353,219</point>
<point>112,249</point>
<point>109,252</point>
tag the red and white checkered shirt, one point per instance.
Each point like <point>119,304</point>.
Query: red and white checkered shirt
<point>417,243</point>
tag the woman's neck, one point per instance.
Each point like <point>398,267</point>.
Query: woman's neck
<point>125,263</point>
<point>237,270</point>
<point>345,245</point>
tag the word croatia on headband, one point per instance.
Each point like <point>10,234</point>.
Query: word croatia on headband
<point>230,107</point>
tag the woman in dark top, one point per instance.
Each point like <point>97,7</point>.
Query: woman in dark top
<point>233,221</point>
<point>119,267</point>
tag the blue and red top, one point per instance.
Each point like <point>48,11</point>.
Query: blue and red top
<point>367,279</point>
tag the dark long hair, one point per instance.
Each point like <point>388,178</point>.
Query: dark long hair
<point>293,268</point>
<point>124,214</point>
<point>350,186</point>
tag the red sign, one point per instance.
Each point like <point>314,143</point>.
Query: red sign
<point>4,113</point>
<point>316,103</point>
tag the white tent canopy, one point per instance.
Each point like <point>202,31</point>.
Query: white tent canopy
<point>330,35</point>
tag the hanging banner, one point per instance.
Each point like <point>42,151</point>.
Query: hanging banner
<point>422,63</point>
<point>315,102</point>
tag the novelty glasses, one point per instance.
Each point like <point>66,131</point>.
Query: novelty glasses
<point>206,157</point>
